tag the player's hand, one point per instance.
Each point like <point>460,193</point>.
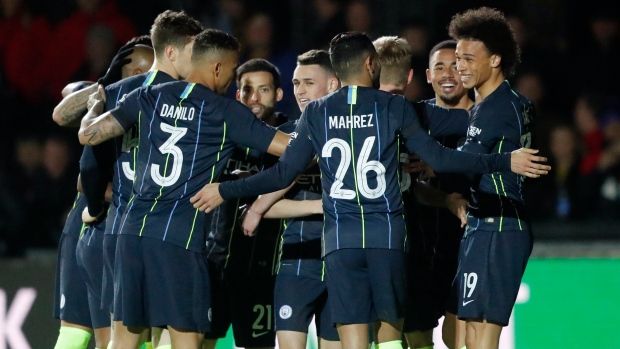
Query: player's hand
<point>94,98</point>
<point>207,198</point>
<point>457,204</point>
<point>524,162</point>
<point>251,219</point>
<point>88,219</point>
<point>114,72</point>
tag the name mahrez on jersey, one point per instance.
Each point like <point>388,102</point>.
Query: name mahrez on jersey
<point>351,121</point>
<point>177,112</point>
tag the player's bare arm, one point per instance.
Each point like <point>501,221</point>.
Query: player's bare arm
<point>524,162</point>
<point>286,208</point>
<point>95,128</point>
<point>69,111</point>
<point>256,210</point>
<point>278,144</point>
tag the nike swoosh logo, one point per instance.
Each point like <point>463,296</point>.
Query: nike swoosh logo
<point>465,303</point>
<point>255,335</point>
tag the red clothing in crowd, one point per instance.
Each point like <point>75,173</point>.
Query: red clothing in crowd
<point>593,143</point>
<point>67,49</point>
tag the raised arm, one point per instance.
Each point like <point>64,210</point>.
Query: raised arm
<point>96,129</point>
<point>72,107</point>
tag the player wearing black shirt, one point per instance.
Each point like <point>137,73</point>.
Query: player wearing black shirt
<point>301,290</point>
<point>187,133</point>
<point>238,262</point>
<point>498,239</point>
<point>355,132</point>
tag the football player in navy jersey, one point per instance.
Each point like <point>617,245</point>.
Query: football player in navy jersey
<point>238,262</point>
<point>172,35</point>
<point>187,133</point>
<point>355,132</point>
<point>498,239</point>
<point>431,267</point>
<point>301,291</point>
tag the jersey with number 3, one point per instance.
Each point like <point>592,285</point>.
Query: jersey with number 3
<point>500,123</point>
<point>187,133</point>
<point>125,145</point>
<point>355,132</point>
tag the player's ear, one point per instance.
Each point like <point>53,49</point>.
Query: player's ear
<point>332,85</point>
<point>279,94</point>
<point>496,60</point>
<point>170,52</point>
<point>217,69</point>
<point>428,76</point>
<point>238,95</point>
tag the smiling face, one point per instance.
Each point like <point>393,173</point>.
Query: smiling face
<point>257,92</point>
<point>474,63</point>
<point>444,78</point>
<point>311,82</point>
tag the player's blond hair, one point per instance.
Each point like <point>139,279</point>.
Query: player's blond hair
<point>395,57</point>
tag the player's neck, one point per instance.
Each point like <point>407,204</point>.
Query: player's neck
<point>392,88</point>
<point>359,80</point>
<point>270,120</point>
<point>168,69</point>
<point>490,85</point>
<point>463,103</point>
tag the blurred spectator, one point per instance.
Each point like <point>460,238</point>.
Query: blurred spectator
<point>585,117</point>
<point>559,195</point>
<point>100,48</point>
<point>359,19</point>
<point>23,41</point>
<point>329,22</point>
<point>609,164</point>
<point>225,15</point>
<point>67,49</point>
<point>258,43</point>
<point>54,195</point>
<point>415,32</point>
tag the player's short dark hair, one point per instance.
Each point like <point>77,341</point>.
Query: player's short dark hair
<point>173,28</point>
<point>318,57</point>
<point>489,26</point>
<point>210,40</point>
<point>141,40</point>
<point>347,52</point>
<point>446,44</point>
<point>259,65</point>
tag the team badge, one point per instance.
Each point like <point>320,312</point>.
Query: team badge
<point>286,312</point>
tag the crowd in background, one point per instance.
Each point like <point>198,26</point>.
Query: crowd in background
<point>567,70</point>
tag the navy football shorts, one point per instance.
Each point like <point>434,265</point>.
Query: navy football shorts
<point>491,265</point>
<point>109,251</point>
<point>161,284</point>
<point>366,285</point>
<point>297,300</point>
<point>90,262</point>
<point>71,296</point>
<point>245,301</point>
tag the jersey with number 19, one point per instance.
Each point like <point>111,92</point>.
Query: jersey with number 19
<point>187,133</point>
<point>355,132</point>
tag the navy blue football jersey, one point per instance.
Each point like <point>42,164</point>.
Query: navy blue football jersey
<point>300,246</point>
<point>355,133</point>
<point>226,242</point>
<point>500,123</point>
<point>187,134</point>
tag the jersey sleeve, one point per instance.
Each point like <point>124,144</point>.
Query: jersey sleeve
<point>128,109</point>
<point>95,173</point>
<point>245,129</point>
<point>299,151</point>
<point>444,159</point>
<point>443,122</point>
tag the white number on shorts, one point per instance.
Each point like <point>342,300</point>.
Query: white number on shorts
<point>262,310</point>
<point>169,147</point>
<point>362,167</point>
<point>469,281</point>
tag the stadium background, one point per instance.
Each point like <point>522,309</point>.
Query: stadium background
<point>569,69</point>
